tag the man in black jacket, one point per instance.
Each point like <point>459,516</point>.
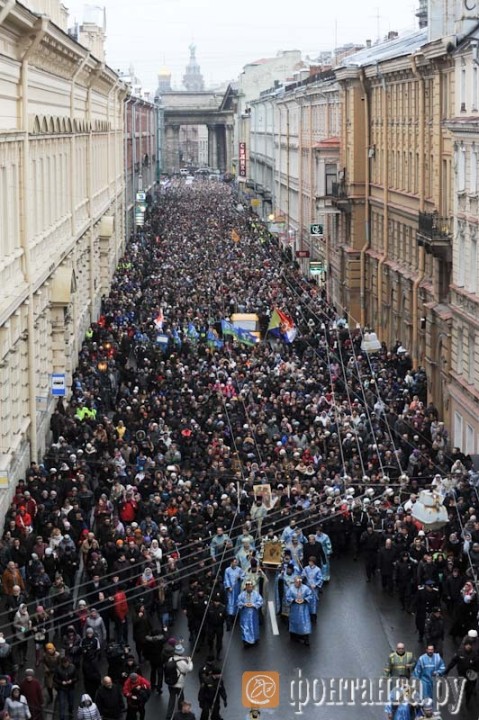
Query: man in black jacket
<point>215,623</point>
<point>467,664</point>
<point>369,545</point>
<point>65,678</point>
<point>152,651</point>
<point>386,560</point>
<point>427,598</point>
<point>211,690</point>
<point>109,699</point>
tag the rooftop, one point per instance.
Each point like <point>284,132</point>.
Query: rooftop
<point>400,46</point>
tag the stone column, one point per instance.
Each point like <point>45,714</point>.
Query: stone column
<point>229,148</point>
<point>212,147</point>
<point>221,136</point>
<point>172,147</point>
<point>175,148</point>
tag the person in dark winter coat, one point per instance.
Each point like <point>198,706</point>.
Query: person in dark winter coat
<point>109,699</point>
<point>434,630</point>
<point>5,690</point>
<point>467,663</point>
<point>386,561</point>
<point>369,544</point>
<point>6,657</point>
<point>141,628</point>
<point>405,573</point>
<point>427,598</point>
<point>65,678</point>
<point>211,690</point>
<point>152,651</point>
<point>215,624</point>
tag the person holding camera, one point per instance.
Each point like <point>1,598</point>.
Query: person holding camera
<point>137,691</point>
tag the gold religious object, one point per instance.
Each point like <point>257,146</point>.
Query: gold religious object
<point>272,553</point>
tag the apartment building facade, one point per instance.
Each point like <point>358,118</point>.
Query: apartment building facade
<point>61,215</point>
<point>464,127</point>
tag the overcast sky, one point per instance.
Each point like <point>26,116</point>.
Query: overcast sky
<point>228,34</point>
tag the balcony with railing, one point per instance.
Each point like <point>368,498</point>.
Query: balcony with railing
<point>337,193</point>
<point>434,234</point>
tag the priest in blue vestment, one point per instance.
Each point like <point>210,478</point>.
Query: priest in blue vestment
<point>249,604</point>
<point>299,598</point>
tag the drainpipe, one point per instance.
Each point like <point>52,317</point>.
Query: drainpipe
<point>80,67</point>
<point>300,178</point>
<point>384,255</point>
<point>367,188</point>
<point>5,11</point>
<point>287,160</point>
<point>90,171</point>
<point>112,131</point>
<point>41,29</point>
<point>125,162</point>
<point>422,254</point>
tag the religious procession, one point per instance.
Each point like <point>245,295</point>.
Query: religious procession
<point>232,442</point>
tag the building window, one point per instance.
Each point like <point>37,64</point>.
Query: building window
<point>470,440</point>
<point>463,89</point>
<point>331,176</point>
<point>458,424</point>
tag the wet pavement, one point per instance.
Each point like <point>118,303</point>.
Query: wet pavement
<point>358,625</point>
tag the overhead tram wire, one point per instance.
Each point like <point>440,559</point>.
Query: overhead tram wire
<point>310,520</point>
<point>321,321</point>
<point>195,552</point>
<point>472,568</point>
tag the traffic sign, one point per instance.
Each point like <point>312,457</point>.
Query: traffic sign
<point>140,196</point>
<point>58,385</point>
<point>316,229</point>
<point>302,253</point>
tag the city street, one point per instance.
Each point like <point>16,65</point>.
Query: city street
<point>357,628</point>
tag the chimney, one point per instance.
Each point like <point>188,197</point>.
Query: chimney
<point>422,14</point>
<point>392,35</point>
<point>368,43</point>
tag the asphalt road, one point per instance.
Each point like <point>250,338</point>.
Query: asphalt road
<point>357,627</point>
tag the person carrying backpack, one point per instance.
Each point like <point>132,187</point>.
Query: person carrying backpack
<point>175,670</point>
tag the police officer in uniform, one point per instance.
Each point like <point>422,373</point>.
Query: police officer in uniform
<point>215,623</point>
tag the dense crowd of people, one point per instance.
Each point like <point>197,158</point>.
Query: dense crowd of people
<point>147,504</point>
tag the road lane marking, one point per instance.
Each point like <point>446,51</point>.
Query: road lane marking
<point>272,615</point>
